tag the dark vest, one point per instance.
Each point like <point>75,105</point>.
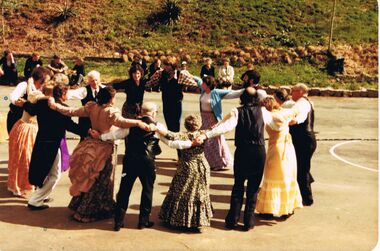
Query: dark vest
<point>305,128</point>
<point>85,122</point>
<point>16,110</point>
<point>141,142</point>
<point>250,126</point>
<point>89,97</point>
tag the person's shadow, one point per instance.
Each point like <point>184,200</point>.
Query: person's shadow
<point>51,218</point>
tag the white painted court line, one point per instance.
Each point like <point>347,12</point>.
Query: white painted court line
<point>332,152</point>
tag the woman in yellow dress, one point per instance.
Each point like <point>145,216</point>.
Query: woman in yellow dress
<point>279,194</point>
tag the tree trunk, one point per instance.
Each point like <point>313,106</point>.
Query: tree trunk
<point>332,26</point>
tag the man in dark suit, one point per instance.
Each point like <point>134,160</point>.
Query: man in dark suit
<point>45,164</point>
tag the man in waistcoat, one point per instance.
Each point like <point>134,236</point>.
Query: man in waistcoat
<point>249,156</point>
<point>138,163</point>
<point>302,131</point>
<point>85,95</point>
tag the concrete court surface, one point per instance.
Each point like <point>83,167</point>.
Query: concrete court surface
<point>343,217</point>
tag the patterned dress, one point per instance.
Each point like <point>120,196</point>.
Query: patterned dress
<point>187,203</point>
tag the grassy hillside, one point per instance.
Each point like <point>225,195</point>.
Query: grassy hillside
<point>101,27</point>
<point>285,39</point>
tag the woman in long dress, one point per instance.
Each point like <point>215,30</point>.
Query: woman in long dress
<point>217,151</point>
<point>21,141</point>
<point>279,194</point>
<point>91,164</point>
<point>187,203</point>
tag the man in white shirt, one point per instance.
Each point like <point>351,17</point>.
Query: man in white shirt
<point>302,131</point>
<point>17,97</point>
<point>249,157</point>
<point>86,94</point>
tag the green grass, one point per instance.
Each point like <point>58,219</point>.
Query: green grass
<point>210,24</point>
<point>271,74</point>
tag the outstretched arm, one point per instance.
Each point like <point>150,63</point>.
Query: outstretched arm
<point>176,144</point>
<point>154,80</point>
<point>119,133</point>
<point>68,111</point>
<point>234,94</point>
<point>119,121</point>
<point>228,123</point>
<point>187,79</point>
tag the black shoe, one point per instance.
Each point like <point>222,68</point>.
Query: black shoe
<point>307,202</point>
<point>118,226</point>
<point>119,218</point>
<point>265,216</point>
<point>48,200</point>
<point>231,225</point>
<point>248,227</point>
<point>147,224</point>
<point>35,208</point>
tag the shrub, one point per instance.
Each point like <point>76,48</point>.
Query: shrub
<point>63,13</point>
<point>169,14</point>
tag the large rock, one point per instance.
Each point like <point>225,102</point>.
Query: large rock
<point>373,93</point>
<point>325,92</point>
<point>314,92</point>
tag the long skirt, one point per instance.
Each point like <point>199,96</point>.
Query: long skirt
<point>217,152</point>
<point>98,202</point>
<point>21,142</point>
<point>279,194</point>
<point>187,203</point>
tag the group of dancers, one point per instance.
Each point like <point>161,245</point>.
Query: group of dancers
<point>38,152</point>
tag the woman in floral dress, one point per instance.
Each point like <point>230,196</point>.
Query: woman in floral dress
<point>187,203</point>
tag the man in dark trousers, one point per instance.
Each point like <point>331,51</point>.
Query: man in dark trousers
<point>172,94</point>
<point>249,156</point>
<point>138,163</point>
<point>302,131</point>
<point>45,164</point>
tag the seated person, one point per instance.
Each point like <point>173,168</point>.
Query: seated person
<point>77,73</point>
<point>8,73</point>
<point>226,74</point>
<point>208,69</point>
<point>57,65</point>
<point>31,63</point>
